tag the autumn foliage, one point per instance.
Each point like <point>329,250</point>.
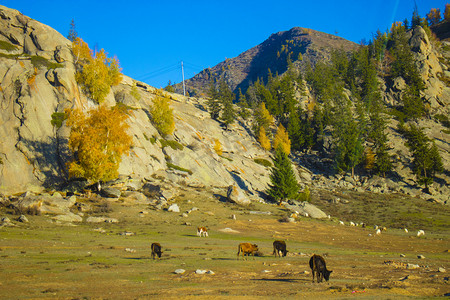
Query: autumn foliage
<point>263,139</point>
<point>282,140</point>
<point>218,147</point>
<point>97,139</point>
<point>96,72</point>
<point>162,114</point>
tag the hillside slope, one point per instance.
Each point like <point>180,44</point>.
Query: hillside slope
<point>38,79</point>
<point>301,44</point>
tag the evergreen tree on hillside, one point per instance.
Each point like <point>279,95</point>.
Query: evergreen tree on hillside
<point>213,101</point>
<point>283,184</point>
<point>226,98</point>
<point>72,32</point>
<point>262,118</point>
<point>243,105</point>
<point>404,66</point>
<point>347,138</point>
<point>426,159</point>
<point>295,131</point>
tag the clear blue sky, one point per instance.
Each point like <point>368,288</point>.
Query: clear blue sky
<point>156,35</point>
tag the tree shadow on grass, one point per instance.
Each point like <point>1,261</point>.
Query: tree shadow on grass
<point>289,280</point>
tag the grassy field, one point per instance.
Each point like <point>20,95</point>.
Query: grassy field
<point>47,260</point>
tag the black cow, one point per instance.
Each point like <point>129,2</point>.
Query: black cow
<point>279,247</point>
<point>317,264</point>
<point>156,250</point>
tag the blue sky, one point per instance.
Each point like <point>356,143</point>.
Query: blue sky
<point>151,38</point>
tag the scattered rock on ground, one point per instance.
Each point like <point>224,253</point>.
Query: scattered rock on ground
<point>174,208</point>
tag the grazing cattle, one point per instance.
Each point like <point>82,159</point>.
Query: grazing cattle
<point>156,250</point>
<point>279,247</point>
<point>247,249</point>
<point>318,266</point>
<point>202,231</point>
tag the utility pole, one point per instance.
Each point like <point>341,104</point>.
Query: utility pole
<point>182,72</point>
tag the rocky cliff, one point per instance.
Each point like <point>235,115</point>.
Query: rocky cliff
<point>37,76</point>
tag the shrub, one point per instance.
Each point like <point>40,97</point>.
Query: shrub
<point>7,46</point>
<point>58,118</point>
<point>175,167</point>
<point>162,114</point>
<point>135,92</point>
<point>305,195</point>
<point>263,162</point>
<point>39,62</point>
<point>172,144</point>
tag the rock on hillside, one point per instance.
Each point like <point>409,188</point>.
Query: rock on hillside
<point>305,45</point>
<point>37,76</point>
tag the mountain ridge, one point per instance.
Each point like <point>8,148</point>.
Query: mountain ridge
<point>254,63</point>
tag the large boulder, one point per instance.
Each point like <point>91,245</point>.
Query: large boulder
<point>236,195</point>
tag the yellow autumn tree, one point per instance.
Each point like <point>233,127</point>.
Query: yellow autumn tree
<point>282,139</point>
<point>81,52</point>
<point>218,147</point>
<point>263,139</point>
<point>162,114</point>
<point>98,140</point>
<point>263,118</point>
<point>369,157</point>
<point>97,73</point>
<point>434,16</point>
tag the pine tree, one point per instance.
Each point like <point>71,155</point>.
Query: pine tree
<point>295,131</point>
<point>283,184</point>
<point>226,98</point>
<point>72,32</point>
<point>426,159</point>
<point>213,101</point>
<point>243,105</point>
<point>434,16</point>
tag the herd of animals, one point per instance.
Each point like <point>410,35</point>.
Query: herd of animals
<point>316,262</point>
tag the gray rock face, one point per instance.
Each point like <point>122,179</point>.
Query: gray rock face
<point>307,209</point>
<point>236,195</point>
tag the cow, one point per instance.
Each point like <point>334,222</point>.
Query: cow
<point>156,250</point>
<point>279,247</point>
<point>317,265</point>
<point>247,249</point>
<point>202,231</point>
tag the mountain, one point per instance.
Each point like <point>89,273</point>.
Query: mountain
<point>37,84</point>
<point>303,46</point>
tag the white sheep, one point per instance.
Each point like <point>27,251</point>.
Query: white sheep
<point>420,233</point>
<point>341,223</point>
<point>406,230</point>
<point>352,224</point>
<point>378,231</point>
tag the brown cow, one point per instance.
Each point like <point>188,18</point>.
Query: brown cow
<point>156,250</point>
<point>247,249</point>
<point>279,247</point>
<point>202,231</point>
<point>317,264</point>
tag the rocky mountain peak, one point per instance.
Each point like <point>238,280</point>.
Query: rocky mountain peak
<point>301,45</point>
